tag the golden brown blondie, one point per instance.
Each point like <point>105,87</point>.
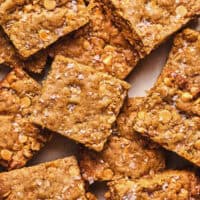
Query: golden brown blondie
<point>146,24</point>
<point>33,25</point>
<point>170,185</point>
<point>79,102</point>
<point>99,44</point>
<point>19,139</point>
<point>59,179</point>
<point>10,57</point>
<point>126,155</point>
<point>170,114</point>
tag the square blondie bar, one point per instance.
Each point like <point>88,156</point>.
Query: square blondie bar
<point>59,179</point>
<point>169,185</point>
<point>19,138</point>
<point>10,57</point>
<point>146,24</point>
<point>99,44</point>
<point>79,102</point>
<point>33,25</point>
<point>170,114</point>
<point>126,154</point>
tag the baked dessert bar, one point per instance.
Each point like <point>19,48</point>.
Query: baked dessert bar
<point>170,185</point>
<point>79,102</point>
<point>170,114</point>
<point>123,155</point>
<point>10,57</point>
<point>146,24</point>
<point>99,44</point>
<point>59,179</point>
<point>19,139</point>
<point>33,25</point>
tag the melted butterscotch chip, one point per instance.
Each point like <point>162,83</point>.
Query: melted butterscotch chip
<point>19,138</point>
<point>88,101</point>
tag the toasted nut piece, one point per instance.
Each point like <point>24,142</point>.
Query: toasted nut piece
<point>181,11</point>
<point>25,102</point>
<point>186,96</point>
<point>86,45</point>
<point>141,115</point>
<point>165,116</point>
<point>22,138</point>
<point>35,146</point>
<point>108,174</point>
<point>108,60</point>
<point>197,144</point>
<point>6,154</point>
<point>43,35</point>
<point>167,81</point>
<point>49,4</point>
<point>73,171</point>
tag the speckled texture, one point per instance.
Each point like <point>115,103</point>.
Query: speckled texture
<point>54,180</point>
<point>100,45</point>
<point>10,57</point>
<point>19,139</point>
<point>127,153</point>
<point>170,114</point>
<point>170,185</point>
<point>33,25</point>
<point>87,100</point>
<point>146,24</point>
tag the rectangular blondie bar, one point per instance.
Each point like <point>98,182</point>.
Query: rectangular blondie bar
<point>99,44</point>
<point>170,185</point>
<point>59,179</point>
<point>170,114</point>
<point>19,138</point>
<point>79,102</point>
<point>126,154</point>
<point>33,25</point>
<point>146,24</point>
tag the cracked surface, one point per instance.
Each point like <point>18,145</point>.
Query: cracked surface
<point>146,24</point>
<point>100,45</point>
<point>88,101</point>
<point>10,57</point>
<point>33,25</point>
<point>58,179</point>
<point>170,185</point>
<point>170,114</point>
<point>19,139</point>
<point>126,155</point>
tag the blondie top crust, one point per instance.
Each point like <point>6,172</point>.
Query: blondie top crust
<point>33,25</point>
<point>170,114</point>
<point>146,24</point>
<point>10,57</point>
<point>99,44</point>
<point>59,179</point>
<point>126,154</point>
<point>79,102</point>
<point>19,139</point>
<point>169,185</point>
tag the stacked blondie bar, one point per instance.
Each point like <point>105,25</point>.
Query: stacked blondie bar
<point>91,47</point>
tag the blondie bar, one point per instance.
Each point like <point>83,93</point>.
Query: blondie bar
<point>33,25</point>
<point>79,102</point>
<point>10,57</point>
<point>146,24</point>
<point>59,179</point>
<point>19,139</point>
<point>99,44</point>
<point>127,153</point>
<point>171,185</point>
<point>170,114</point>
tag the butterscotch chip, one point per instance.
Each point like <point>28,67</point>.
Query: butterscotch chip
<point>10,57</point>
<point>126,154</point>
<point>51,180</point>
<point>172,112</point>
<point>153,22</point>
<point>17,133</point>
<point>34,26</point>
<point>87,100</point>
<point>166,185</point>
<point>99,44</point>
